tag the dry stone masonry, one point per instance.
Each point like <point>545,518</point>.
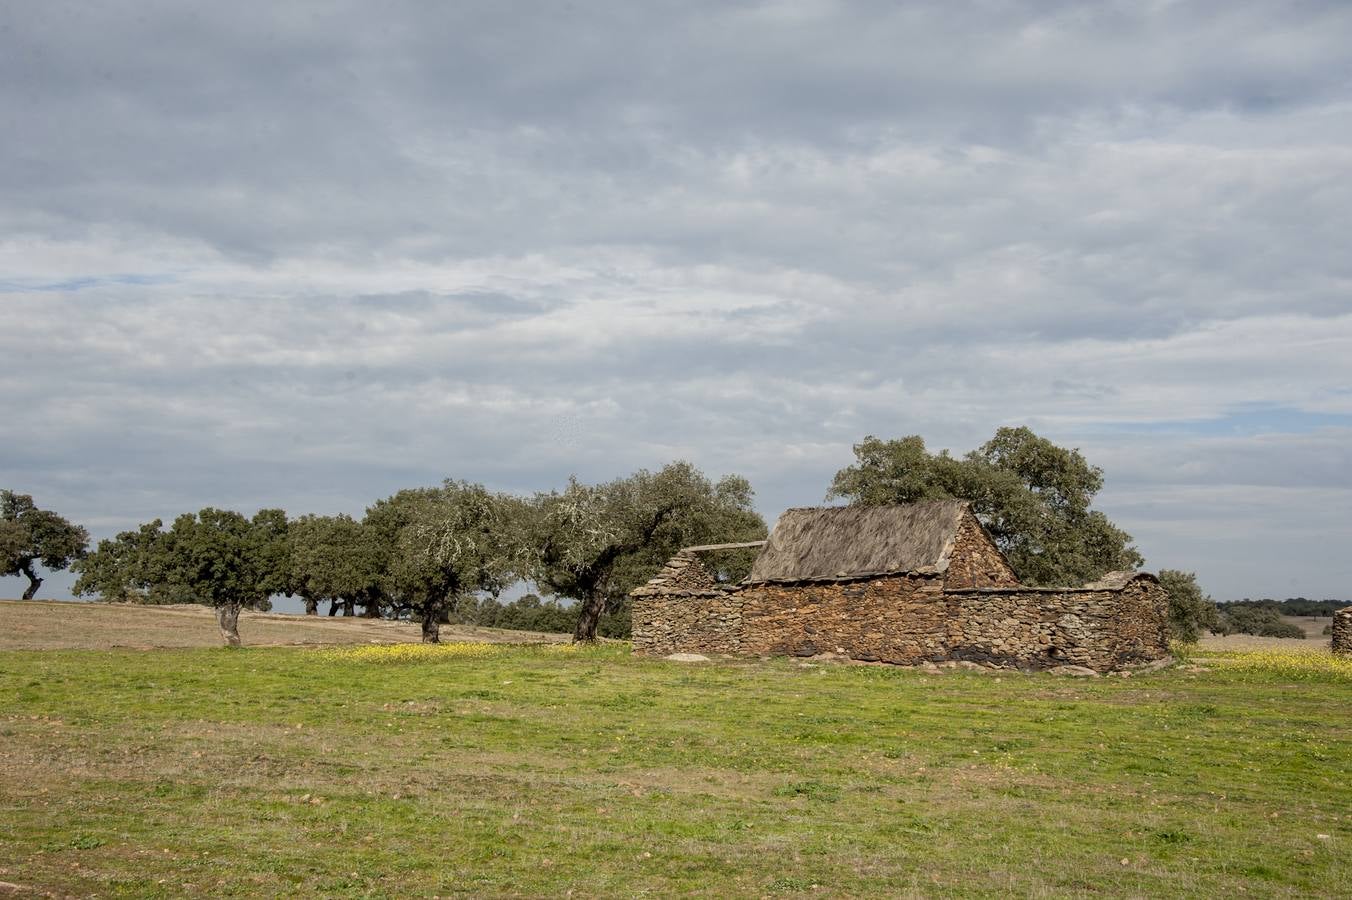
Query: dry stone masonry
<point>940,591</point>
<point>1342,631</point>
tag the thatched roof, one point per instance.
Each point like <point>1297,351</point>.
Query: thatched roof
<point>843,542</point>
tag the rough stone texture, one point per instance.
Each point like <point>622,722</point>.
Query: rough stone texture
<point>975,561</point>
<point>960,603</point>
<point>1100,628</point>
<point>1342,631</point>
<point>893,618</point>
<point>911,619</point>
<point>687,622</point>
<point>683,572</point>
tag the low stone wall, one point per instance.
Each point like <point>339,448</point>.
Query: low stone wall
<point>1100,628</point>
<point>687,622</point>
<point>1342,631</point>
<point>910,619</point>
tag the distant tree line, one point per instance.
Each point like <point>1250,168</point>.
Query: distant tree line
<point>1294,606</point>
<point>1264,617</point>
<point>531,613</point>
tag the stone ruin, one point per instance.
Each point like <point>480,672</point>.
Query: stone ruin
<point>909,584</point>
<point>1342,631</point>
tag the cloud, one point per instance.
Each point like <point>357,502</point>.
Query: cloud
<point>305,255</point>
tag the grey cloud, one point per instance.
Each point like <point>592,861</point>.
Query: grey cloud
<point>305,254</point>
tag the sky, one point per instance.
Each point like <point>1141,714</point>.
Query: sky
<point>304,255</point>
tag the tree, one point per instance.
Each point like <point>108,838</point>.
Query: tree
<point>595,543</point>
<point>1032,495</point>
<point>269,536</point>
<point>227,561</point>
<point>1190,610</point>
<point>131,567</point>
<point>333,558</point>
<point>29,535</point>
<point>448,542</point>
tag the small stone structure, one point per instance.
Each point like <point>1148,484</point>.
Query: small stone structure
<point>905,584</point>
<point>1342,631</point>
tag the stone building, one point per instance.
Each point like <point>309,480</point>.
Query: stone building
<point>900,584</point>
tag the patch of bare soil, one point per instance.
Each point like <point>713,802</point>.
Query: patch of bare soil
<point>74,625</point>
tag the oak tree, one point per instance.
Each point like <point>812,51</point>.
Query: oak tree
<point>29,536</point>
<point>595,543</point>
<point>1033,496</point>
<point>444,543</point>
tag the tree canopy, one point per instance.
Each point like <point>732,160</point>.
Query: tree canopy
<point>29,536</point>
<point>1032,495</point>
<point>215,557</point>
<point>334,558</point>
<point>444,543</point>
<point>130,567</point>
<point>595,543</point>
<point>227,561</point>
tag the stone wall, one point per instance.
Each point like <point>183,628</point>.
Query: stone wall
<point>1342,631</point>
<point>1100,628</point>
<point>895,618</point>
<point>909,619</point>
<point>687,622</point>
<point>975,561</point>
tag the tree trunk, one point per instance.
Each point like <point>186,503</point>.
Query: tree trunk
<point>34,582</point>
<point>349,607</point>
<point>431,623</point>
<point>333,607</point>
<point>588,617</point>
<point>228,617</point>
<point>311,606</point>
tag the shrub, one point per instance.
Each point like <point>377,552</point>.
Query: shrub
<point>1256,618</point>
<point>1190,610</point>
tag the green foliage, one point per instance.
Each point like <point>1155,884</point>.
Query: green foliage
<point>1190,610</point>
<point>424,552</point>
<point>29,535</point>
<point>334,558</point>
<point>530,613</point>
<point>223,559</point>
<point>442,543</point>
<point>1300,606</point>
<point>595,543</point>
<point>271,549</point>
<point>215,557</point>
<point>131,567</point>
<point>1257,617</point>
<point>1032,495</point>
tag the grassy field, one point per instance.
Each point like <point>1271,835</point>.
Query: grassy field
<point>496,770</point>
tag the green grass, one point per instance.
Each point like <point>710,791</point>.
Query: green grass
<point>283,772</point>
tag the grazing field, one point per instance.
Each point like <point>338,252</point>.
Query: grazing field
<point>70,625</point>
<point>496,770</point>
